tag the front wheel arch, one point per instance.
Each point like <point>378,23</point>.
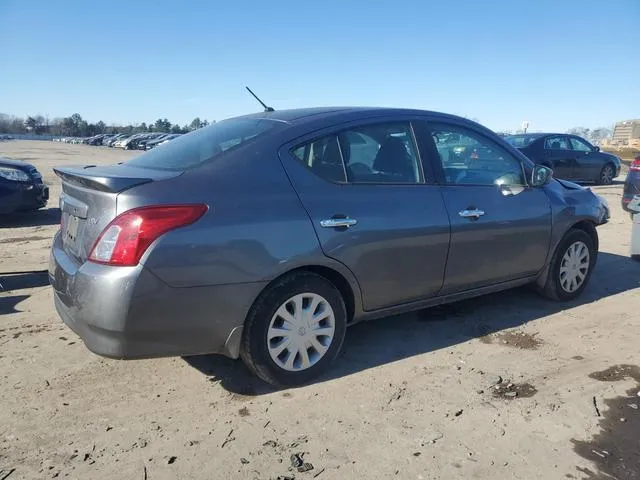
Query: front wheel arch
<point>586,226</point>
<point>547,284</point>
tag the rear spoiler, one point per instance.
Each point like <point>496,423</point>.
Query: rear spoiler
<point>103,179</point>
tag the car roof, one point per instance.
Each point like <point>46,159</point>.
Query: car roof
<point>302,115</point>
<point>538,135</point>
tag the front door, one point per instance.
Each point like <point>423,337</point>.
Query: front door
<point>365,191</point>
<point>559,155</point>
<point>500,227</point>
<point>588,162</point>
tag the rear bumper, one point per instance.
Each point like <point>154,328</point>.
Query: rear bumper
<point>128,312</point>
<point>19,196</point>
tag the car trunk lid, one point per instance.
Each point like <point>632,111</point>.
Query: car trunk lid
<point>88,202</point>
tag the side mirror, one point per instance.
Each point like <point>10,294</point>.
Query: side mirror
<point>541,176</point>
<point>596,149</point>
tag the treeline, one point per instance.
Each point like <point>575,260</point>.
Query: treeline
<point>76,126</point>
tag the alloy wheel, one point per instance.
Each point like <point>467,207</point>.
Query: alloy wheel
<point>606,177</point>
<point>574,267</point>
<point>300,332</point>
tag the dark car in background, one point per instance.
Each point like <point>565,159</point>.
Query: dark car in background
<point>571,157</point>
<point>632,183</point>
<point>264,236</point>
<point>21,187</point>
<point>159,141</point>
<point>142,144</point>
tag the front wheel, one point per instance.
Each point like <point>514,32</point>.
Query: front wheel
<point>294,330</point>
<point>571,266</point>
<point>607,174</point>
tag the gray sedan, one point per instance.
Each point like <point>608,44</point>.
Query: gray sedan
<point>265,236</point>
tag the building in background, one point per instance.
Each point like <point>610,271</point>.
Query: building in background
<point>626,134</point>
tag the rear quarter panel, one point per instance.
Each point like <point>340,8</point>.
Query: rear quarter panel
<point>255,229</point>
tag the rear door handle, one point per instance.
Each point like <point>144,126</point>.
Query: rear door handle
<point>338,222</point>
<point>475,213</point>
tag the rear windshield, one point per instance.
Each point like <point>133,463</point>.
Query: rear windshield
<point>204,145</point>
<point>521,141</point>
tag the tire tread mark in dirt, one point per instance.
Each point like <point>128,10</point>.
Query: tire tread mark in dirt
<point>615,450</point>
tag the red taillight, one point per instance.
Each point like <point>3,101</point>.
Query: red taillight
<point>127,237</point>
<point>635,165</point>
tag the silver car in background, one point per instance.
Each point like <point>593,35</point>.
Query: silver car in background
<point>265,236</point>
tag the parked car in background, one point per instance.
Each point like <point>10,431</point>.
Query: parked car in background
<point>126,142</point>
<point>264,236</point>
<point>162,140</point>
<point>96,140</point>
<point>141,144</point>
<point>571,157</point>
<point>631,184</point>
<point>21,187</point>
<point>117,143</point>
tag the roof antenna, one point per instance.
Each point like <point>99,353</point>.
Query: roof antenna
<point>266,109</point>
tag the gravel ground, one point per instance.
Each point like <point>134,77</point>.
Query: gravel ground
<point>505,386</point>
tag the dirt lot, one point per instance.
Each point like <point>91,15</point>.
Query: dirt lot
<point>506,386</point>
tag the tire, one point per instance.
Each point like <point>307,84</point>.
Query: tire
<point>258,352</point>
<point>553,288</point>
<point>606,174</point>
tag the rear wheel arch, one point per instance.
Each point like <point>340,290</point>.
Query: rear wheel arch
<point>337,279</point>
<point>260,330</point>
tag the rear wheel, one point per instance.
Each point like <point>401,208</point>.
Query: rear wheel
<point>607,174</point>
<point>571,266</point>
<point>294,330</point>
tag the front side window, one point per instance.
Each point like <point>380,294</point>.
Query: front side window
<point>469,158</point>
<point>580,145</point>
<point>557,143</point>
<point>383,153</point>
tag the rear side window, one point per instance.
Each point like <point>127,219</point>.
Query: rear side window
<point>384,153</point>
<point>521,141</point>
<point>205,144</point>
<point>557,143</point>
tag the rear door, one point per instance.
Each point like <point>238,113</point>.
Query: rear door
<point>373,207</point>
<point>560,156</point>
<point>500,227</point>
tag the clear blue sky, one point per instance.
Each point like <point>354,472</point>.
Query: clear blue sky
<point>558,64</point>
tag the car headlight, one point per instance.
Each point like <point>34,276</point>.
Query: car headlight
<point>13,174</point>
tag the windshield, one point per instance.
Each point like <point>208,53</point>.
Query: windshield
<point>204,145</point>
<point>521,141</point>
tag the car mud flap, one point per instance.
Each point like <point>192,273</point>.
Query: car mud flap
<point>232,344</point>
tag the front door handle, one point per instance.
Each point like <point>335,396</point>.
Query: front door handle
<point>474,214</point>
<point>338,222</point>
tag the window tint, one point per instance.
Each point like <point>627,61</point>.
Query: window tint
<point>580,145</point>
<point>557,143</point>
<point>323,157</point>
<point>204,145</point>
<point>521,141</point>
<point>469,158</point>
<point>383,153</point>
